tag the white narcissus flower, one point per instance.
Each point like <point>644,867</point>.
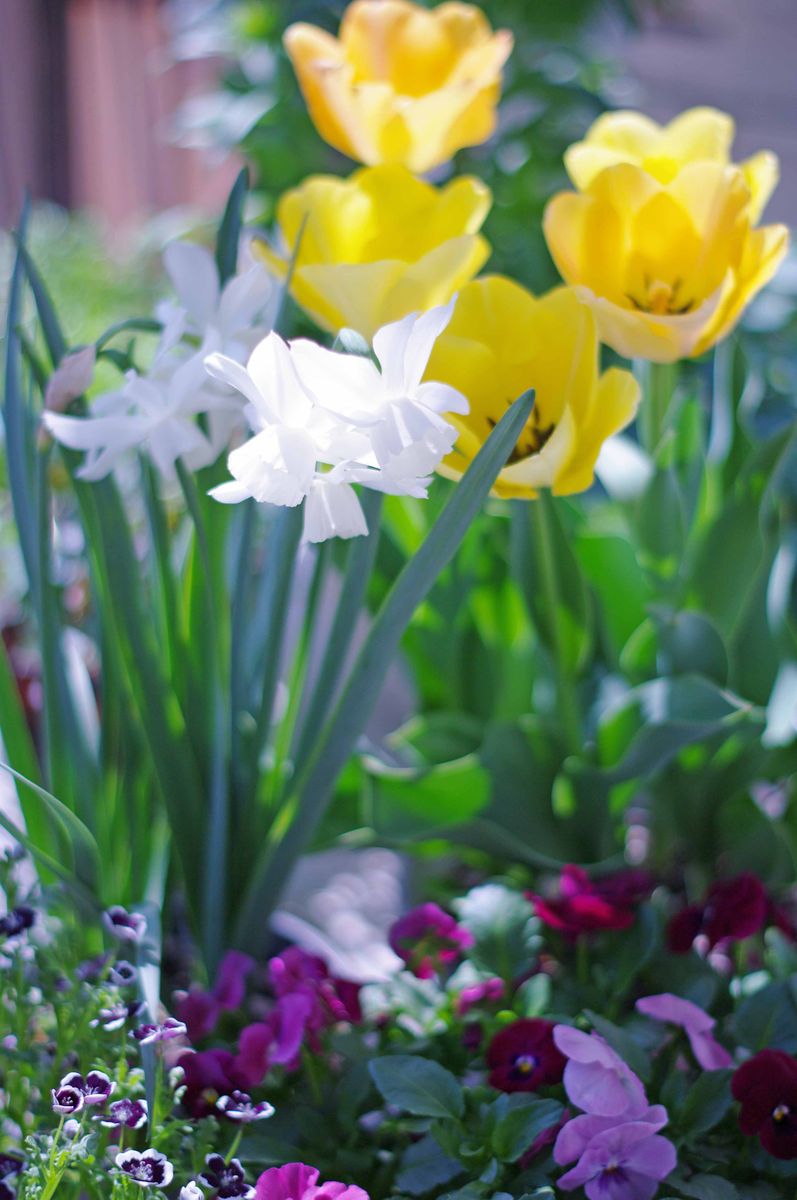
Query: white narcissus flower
<point>156,412</point>
<point>323,421</point>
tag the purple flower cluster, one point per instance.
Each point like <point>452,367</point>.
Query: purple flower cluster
<point>17,922</point>
<point>200,1010</point>
<point>615,1144</point>
<point>76,1090</point>
<point>10,1167</point>
<point>428,940</point>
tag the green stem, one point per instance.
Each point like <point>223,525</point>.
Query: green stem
<point>236,1141</point>
<point>658,384</point>
<point>568,706</point>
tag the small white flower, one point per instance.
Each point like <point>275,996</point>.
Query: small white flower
<point>324,421</point>
<point>191,1191</point>
<point>156,412</point>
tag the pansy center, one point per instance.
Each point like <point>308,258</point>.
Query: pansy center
<point>524,1064</point>
<point>781,1112</point>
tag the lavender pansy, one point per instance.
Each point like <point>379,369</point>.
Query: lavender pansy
<point>575,1136</point>
<point>596,1078</point>
<point>627,1162</point>
<point>696,1024</point>
<point>124,925</point>
<point>132,1114</point>
<point>67,1100</point>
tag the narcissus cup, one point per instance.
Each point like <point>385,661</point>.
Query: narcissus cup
<point>402,83</point>
<point>502,341</point>
<point>379,245</point>
<point>667,268</point>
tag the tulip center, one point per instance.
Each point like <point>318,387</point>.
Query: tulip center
<point>660,298</point>
<point>531,440</point>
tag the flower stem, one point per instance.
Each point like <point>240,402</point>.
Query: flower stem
<point>236,1141</point>
<point>658,385</point>
<point>568,705</point>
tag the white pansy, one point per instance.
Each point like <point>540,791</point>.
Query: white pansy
<point>323,421</point>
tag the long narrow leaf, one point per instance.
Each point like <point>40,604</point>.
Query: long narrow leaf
<point>315,786</point>
<point>353,587</point>
<point>87,857</point>
<point>230,228</point>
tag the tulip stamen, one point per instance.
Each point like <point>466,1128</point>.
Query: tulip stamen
<point>661,298</point>
<point>531,440</point>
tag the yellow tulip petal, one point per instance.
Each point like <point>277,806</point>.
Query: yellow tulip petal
<point>616,402</point>
<point>401,83</point>
<point>636,334</point>
<point>350,295</point>
<point>761,173</point>
<point>698,133</point>
<point>764,252</point>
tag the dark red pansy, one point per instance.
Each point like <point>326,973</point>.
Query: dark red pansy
<point>766,1088</point>
<point>732,910</point>
<point>584,905</point>
<point>523,1057</point>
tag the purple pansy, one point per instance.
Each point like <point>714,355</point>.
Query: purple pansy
<point>488,991</point>
<point>147,1168</point>
<point>596,1078</point>
<point>627,1162</point>
<point>132,1114</point>
<point>696,1024</point>
<point>200,1010</point>
<point>428,939</point>
<point>295,972</point>
<point>207,1075</point>
<point>240,1107</point>
<point>575,1136</point>
<point>124,925</point>
<point>170,1028</point>
<point>275,1041</point>
<point>95,1087</point>
<point>67,1100</point>
<point>296,1181</point>
<point>228,1179</point>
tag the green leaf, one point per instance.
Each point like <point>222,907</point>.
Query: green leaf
<point>418,1086</point>
<point>704,1187</point>
<point>690,644</point>
<point>622,1041</point>
<point>655,721</point>
<point>606,560</point>
<point>230,228</point>
<point>315,784</point>
<point>518,1121</point>
<point>504,928</point>
<point>660,523</point>
<point>706,1103</point>
<point>87,856</point>
<point>424,1167</point>
<point>768,1019</point>
<point>404,803</point>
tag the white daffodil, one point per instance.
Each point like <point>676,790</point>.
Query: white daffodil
<point>230,319</point>
<point>324,421</point>
<point>155,413</point>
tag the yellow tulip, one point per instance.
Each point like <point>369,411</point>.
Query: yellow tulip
<point>697,135</point>
<point>401,83</point>
<point>378,245</point>
<point>500,342</point>
<point>667,268</point>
